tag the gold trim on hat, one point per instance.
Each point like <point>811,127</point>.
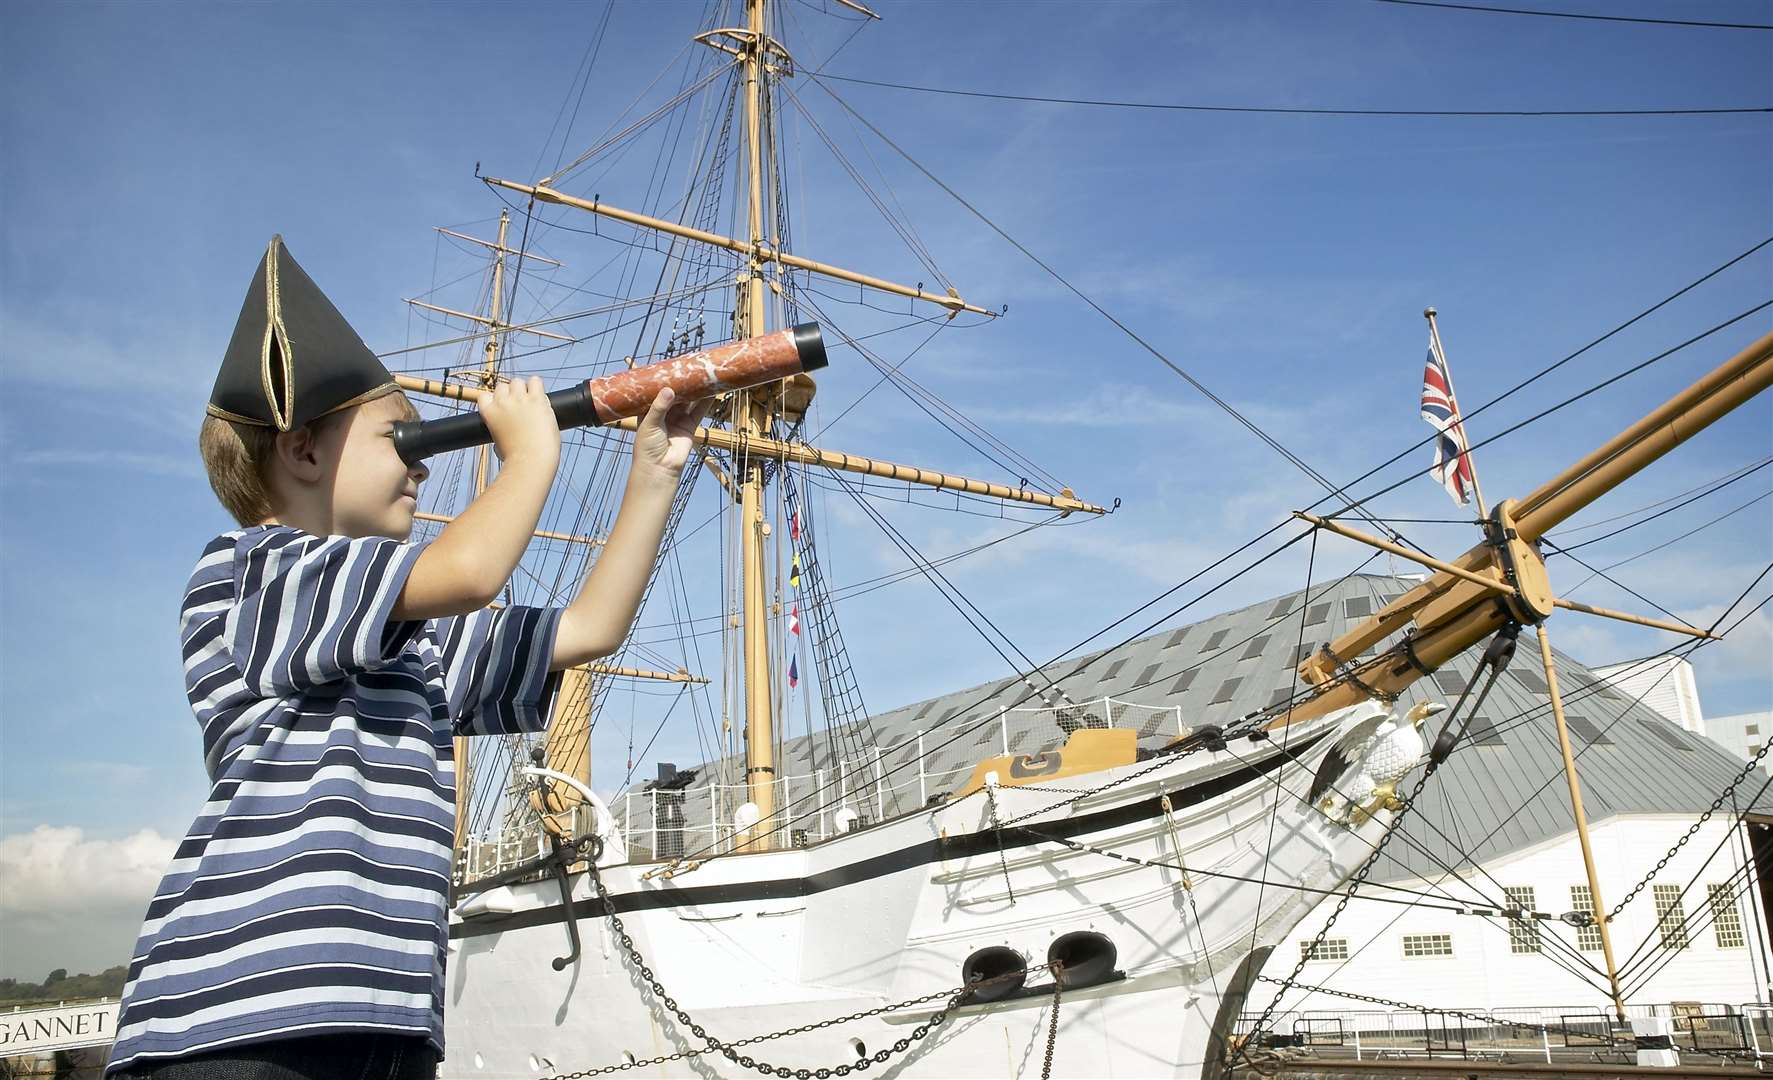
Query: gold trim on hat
<point>276,334</point>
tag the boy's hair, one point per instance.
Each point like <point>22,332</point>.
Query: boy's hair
<point>237,455</point>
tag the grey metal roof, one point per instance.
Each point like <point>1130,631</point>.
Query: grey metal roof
<point>1501,791</point>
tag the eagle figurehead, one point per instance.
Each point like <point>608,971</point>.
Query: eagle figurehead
<point>1359,775</point>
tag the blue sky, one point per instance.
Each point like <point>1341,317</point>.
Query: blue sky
<point>1283,260</point>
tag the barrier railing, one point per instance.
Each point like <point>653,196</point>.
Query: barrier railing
<point>660,823</point>
<point>1520,1034</point>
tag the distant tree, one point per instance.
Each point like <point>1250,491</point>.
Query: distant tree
<point>55,976</point>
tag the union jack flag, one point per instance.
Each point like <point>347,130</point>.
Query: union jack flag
<point>1452,453</point>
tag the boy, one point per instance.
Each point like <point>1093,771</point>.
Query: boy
<point>300,931</point>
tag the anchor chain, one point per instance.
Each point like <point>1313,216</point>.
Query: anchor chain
<point>730,1050</point>
<point>1753,763</point>
<point>1046,1071</point>
<point>1496,656</point>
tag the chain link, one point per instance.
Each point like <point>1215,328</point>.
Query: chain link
<point>1691,832</point>
<point>729,1050</point>
<point>1355,881</point>
<point>1046,1070</point>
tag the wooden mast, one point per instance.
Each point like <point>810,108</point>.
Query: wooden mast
<point>751,418</point>
<point>749,440</point>
<point>488,373</point>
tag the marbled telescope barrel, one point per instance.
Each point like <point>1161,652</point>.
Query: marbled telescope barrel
<point>608,398</point>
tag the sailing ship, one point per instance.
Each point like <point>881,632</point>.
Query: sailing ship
<point>1113,885</point>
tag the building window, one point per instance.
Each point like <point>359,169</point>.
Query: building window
<point>1588,938</point>
<point>1281,607</point>
<point>1532,680</point>
<point>1726,919</point>
<point>1752,729</point>
<point>1317,614</point>
<point>1216,640</point>
<point>1586,731</point>
<point>1184,681</point>
<point>1662,730</point>
<point>1523,933</point>
<point>1357,607</point>
<point>1335,948</point>
<point>1255,648</point>
<point>1226,689</point>
<point>1176,638</point>
<point>1149,674</point>
<point>1428,945</point>
<point>1482,732</point>
<point>1671,921</point>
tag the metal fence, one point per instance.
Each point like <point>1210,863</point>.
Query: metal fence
<point>663,822</point>
<point>1550,1033</point>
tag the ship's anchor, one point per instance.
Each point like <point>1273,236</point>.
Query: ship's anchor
<point>587,849</point>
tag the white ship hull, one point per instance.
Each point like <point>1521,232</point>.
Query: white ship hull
<point>754,944</point>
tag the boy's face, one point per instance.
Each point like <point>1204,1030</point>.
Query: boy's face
<point>374,493</point>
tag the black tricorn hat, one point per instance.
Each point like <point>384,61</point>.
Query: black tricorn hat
<point>293,357</point>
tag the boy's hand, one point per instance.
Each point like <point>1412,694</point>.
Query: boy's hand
<point>662,441</point>
<point>522,422</point>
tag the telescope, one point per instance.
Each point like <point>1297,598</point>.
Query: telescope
<point>737,365</point>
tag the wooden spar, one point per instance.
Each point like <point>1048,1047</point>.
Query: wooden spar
<point>679,675</point>
<point>758,251</point>
<point>1575,785</point>
<point>1461,604</point>
<point>484,321</point>
<point>1678,419</point>
<point>540,534</point>
<point>528,256</point>
<point>763,446</point>
<point>1493,581</point>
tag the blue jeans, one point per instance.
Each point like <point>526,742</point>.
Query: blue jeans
<point>317,1057</point>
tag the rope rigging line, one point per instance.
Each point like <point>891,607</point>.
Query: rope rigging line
<point>1158,106</point>
<point>1542,414</point>
<point>1230,410</point>
<point>582,78</point>
<point>1555,365</point>
<point>1569,530</point>
<point>1736,819</point>
<point>1576,15</point>
<point>1422,848</point>
<point>1609,579</point>
<point>925,400</point>
<point>1669,510</point>
<point>1496,657</point>
<point>1667,543</point>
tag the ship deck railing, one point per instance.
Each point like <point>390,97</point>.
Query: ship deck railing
<point>660,823</point>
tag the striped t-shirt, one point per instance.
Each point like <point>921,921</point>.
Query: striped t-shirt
<point>310,894</point>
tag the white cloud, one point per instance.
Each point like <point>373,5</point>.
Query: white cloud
<point>115,460</point>
<point>67,900</point>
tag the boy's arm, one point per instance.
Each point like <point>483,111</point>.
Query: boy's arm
<point>597,620</point>
<point>472,558</point>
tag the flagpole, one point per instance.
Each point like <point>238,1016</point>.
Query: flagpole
<point>1477,489</point>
